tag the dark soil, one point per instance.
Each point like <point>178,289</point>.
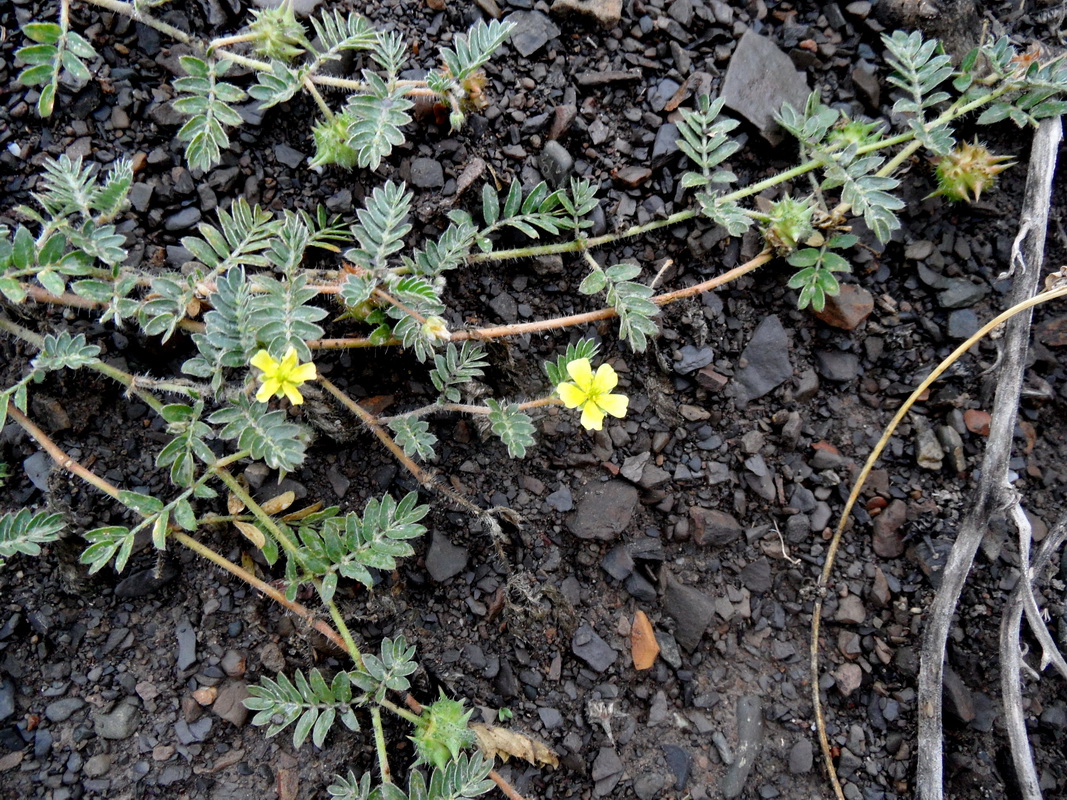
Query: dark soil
<point>539,622</point>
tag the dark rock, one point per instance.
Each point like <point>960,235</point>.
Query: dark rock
<point>837,365</point>
<point>561,499</point>
<point>37,468</point>
<point>146,581</point>
<point>850,610</point>
<point>801,757</point>
<point>532,31</point>
<point>618,563</point>
<point>764,363</point>
<point>444,560</point>
<point>604,510</point>
<point>182,220</point>
<point>961,293</point>
<point>288,156</point>
<point>632,176</point>
<point>592,649</point>
<point>959,701</point>
<point>888,540</point>
<point>757,576</point>
<point>679,762</point>
<point>663,91</point>
<point>963,324</point>
<point>229,703</point>
<point>666,144</point>
<point>749,741</point>
<point>693,358</point>
<point>556,163</point>
<point>713,527</point>
<point>691,610</point>
<point>865,79</point>
<point>7,700</point>
<point>427,173</point>
<point>118,724</point>
<point>759,80</point>
<point>562,119</point>
<point>186,644</point>
<point>62,709</point>
<point>640,588</point>
<point>848,309</point>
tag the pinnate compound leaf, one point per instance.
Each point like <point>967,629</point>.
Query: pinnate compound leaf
<point>206,100</point>
<point>514,427</point>
<point>458,365</point>
<point>376,117</point>
<point>64,351</point>
<point>414,436</point>
<point>267,434</point>
<point>25,532</point>
<point>473,50</point>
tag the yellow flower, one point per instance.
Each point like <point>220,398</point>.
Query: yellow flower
<point>282,377</point>
<point>591,393</point>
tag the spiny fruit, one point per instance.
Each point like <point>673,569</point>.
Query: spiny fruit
<point>788,224</point>
<point>442,732</point>
<point>965,172</point>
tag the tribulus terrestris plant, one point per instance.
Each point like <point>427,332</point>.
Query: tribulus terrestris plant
<point>259,318</point>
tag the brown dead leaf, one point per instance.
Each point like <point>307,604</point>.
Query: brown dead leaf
<point>279,503</point>
<point>233,505</point>
<point>643,645</point>
<point>252,533</point>
<point>303,512</point>
<point>502,743</point>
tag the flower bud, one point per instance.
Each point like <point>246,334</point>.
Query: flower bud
<point>436,328</point>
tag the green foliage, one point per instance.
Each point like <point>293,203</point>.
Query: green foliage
<point>25,532</point>
<point>267,434</point>
<point>460,780</point>
<point>513,426</point>
<point>868,194</point>
<point>308,701</point>
<point>816,268</point>
<point>631,301</point>
<point>56,48</point>
<point>705,141</point>
<point>282,315</point>
<point>188,444</point>
<point>230,337</point>
<point>337,33</point>
<point>243,234</point>
<point>64,352</point>
<point>207,101</point>
<point>414,436</point>
<point>112,541</point>
<point>541,208</point>
<point>557,370</point>
<point>458,365</point>
<point>811,125</point>
<point>388,671</point>
<point>578,204</point>
<point>280,85</point>
<point>382,226</point>
<point>449,251</point>
<point>374,118</point>
<point>474,49</point>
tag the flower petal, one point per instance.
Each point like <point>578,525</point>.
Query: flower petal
<point>614,404</point>
<point>605,379</point>
<point>305,372</point>
<point>263,361</point>
<point>582,373</point>
<point>592,417</point>
<point>293,394</point>
<point>264,394</point>
<point>288,361</point>
<point>571,395</point>
<point>272,386</point>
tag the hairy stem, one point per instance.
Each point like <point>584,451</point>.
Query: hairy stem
<point>379,744</point>
<point>145,19</point>
<point>462,408</point>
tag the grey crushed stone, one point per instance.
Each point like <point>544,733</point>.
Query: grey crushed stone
<point>749,741</point>
<point>532,31</point>
<point>604,510</point>
<point>962,324</point>
<point>37,468</point>
<point>693,358</point>
<point>61,710</point>
<point>759,80</point>
<point>764,363</point>
<point>961,293</point>
<point>801,757</point>
<point>288,156</point>
<point>444,560</point>
<point>691,610</point>
<point>229,703</point>
<point>186,644</point>
<point>561,500</point>
<point>427,173</point>
<point>592,649</point>
<point>679,762</point>
<point>119,723</point>
<point>182,220</point>
<point>837,365</point>
<point>556,163</point>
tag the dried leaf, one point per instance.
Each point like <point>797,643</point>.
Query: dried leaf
<point>252,533</point>
<point>299,514</point>
<point>643,645</point>
<point>279,503</point>
<point>233,505</point>
<point>501,743</point>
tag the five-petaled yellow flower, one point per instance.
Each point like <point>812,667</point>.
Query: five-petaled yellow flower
<point>282,377</point>
<point>592,393</point>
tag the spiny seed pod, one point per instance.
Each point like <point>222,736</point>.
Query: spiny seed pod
<point>331,143</point>
<point>788,224</point>
<point>277,33</point>
<point>443,732</point>
<point>967,171</point>
<point>854,131</point>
